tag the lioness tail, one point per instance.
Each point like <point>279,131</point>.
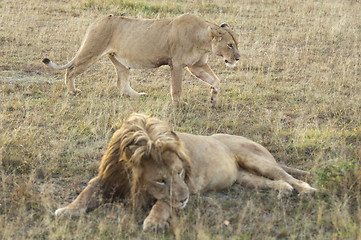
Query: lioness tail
<point>49,63</point>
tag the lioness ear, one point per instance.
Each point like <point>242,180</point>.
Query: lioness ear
<point>224,25</point>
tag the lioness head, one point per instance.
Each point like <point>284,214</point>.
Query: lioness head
<point>166,180</point>
<point>224,44</point>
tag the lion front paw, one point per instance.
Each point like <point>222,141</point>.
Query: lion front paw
<point>61,211</point>
<point>69,211</point>
<point>155,224</point>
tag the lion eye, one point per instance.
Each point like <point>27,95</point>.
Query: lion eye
<point>161,182</point>
<point>181,173</point>
<point>230,46</point>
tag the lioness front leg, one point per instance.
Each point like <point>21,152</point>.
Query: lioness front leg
<point>205,73</point>
<point>176,84</point>
<point>157,219</point>
<point>89,198</point>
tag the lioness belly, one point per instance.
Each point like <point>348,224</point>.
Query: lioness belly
<point>135,63</point>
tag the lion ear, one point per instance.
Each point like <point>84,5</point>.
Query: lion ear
<point>128,152</point>
<point>174,134</point>
<point>214,33</point>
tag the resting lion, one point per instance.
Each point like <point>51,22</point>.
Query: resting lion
<point>149,163</point>
<point>184,41</point>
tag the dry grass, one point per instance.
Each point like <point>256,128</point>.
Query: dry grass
<point>296,91</point>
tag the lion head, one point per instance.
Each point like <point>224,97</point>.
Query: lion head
<point>224,44</point>
<point>146,159</point>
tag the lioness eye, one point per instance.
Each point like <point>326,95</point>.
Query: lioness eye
<point>230,46</point>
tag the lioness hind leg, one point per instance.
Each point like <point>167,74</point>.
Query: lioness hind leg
<point>89,198</point>
<point>69,81</point>
<point>250,180</point>
<point>123,78</point>
<point>81,63</point>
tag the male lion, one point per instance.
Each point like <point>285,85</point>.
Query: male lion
<point>149,163</point>
<point>184,41</point>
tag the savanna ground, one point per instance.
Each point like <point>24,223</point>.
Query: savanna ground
<point>296,90</point>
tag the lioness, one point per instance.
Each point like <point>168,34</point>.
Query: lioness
<point>149,163</point>
<point>184,41</point>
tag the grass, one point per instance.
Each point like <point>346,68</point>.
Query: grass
<point>296,90</point>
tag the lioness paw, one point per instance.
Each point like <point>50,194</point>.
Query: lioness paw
<point>75,92</point>
<point>214,99</point>
<point>154,224</point>
<point>135,94</point>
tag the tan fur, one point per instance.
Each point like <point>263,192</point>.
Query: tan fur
<point>147,162</point>
<point>184,41</point>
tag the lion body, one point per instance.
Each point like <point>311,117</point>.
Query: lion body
<point>147,162</point>
<point>184,41</point>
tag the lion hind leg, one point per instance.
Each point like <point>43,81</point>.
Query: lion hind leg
<point>89,198</point>
<point>250,180</point>
<point>260,162</point>
<point>275,172</point>
<point>123,78</point>
<point>306,189</point>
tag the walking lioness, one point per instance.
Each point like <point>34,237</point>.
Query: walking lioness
<point>184,41</point>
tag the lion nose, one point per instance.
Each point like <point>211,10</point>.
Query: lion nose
<point>237,56</point>
<point>184,203</point>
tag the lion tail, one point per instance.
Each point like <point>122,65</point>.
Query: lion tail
<point>295,171</point>
<point>49,63</point>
